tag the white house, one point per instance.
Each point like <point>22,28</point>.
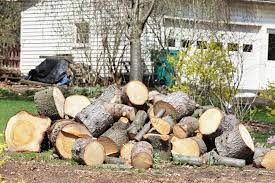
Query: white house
<point>51,27</point>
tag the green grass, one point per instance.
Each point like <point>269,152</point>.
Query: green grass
<point>263,117</point>
<point>9,107</point>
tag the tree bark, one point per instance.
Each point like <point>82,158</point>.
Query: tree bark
<point>120,110</point>
<point>137,69</point>
<point>112,94</point>
<point>264,157</point>
<point>137,124</point>
<point>142,155</point>
<point>186,127</point>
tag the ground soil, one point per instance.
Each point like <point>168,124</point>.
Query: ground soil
<point>14,171</point>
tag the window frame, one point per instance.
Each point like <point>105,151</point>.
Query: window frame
<point>88,33</point>
<point>270,50</point>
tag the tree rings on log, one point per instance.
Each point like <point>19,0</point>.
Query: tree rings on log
<point>142,155</point>
<point>88,151</point>
<point>236,143</point>
<point>50,102</point>
<point>63,135</point>
<point>137,92</point>
<point>163,125</point>
<point>74,104</point>
<point>186,147</point>
<point>25,132</point>
<point>160,105</point>
<point>210,121</point>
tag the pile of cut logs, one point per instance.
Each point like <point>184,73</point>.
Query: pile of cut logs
<point>129,126</point>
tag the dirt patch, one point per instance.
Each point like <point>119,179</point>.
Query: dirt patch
<point>13,171</point>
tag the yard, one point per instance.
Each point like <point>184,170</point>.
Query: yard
<point>44,167</point>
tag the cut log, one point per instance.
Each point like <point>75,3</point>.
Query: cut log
<point>160,105</point>
<point>109,145</point>
<point>88,151</point>
<point>201,144</point>
<point>155,96</point>
<point>118,132</point>
<point>198,112</point>
<point>50,102</point>
<point>161,145</point>
<point>112,94</point>
<point>113,166</point>
<point>183,105</point>
<point>137,92</point>
<point>120,110</point>
<point>163,125</point>
<point>113,160</point>
<point>137,124</point>
<point>187,147</point>
<point>142,155</point>
<point>95,118</point>
<point>74,104</point>
<point>264,157</point>
<point>190,160</point>
<point>236,143</point>
<point>213,122</point>
<point>186,127</point>
<point>63,135</point>
<point>126,152</point>
<point>26,132</point>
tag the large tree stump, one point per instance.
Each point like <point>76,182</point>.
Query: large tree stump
<point>111,94</point>
<point>161,145</point>
<point>120,110</point>
<point>183,105</point>
<point>142,155</point>
<point>26,132</point>
<point>136,92</point>
<point>118,132</point>
<point>155,96</point>
<point>74,104</point>
<point>188,146</point>
<point>163,125</point>
<point>264,157</point>
<point>95,118</point>
<point>186,127</point>
<point>88,151</point>
<point>236,143</point>
<point>63,135</point>
<point>137,124</point>
<point>50,102</point>
<point>126,152</point>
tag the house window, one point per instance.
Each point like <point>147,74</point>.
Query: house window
<point>271,47</point>
<point>82,32</point>
<point>202,44</point>
<point>218,45</point>
<point>247,48</point>
<point>185,43</point>
<point>233,47</point>
<point>171,43</point>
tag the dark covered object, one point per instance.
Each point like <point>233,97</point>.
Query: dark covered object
<point>51,71</point>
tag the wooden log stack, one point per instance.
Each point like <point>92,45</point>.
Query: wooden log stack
<point>129,126</point>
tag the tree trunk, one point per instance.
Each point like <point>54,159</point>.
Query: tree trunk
<point>186,127</point>
<point>50,102</point>
<point>236,143</point>
<point>155,96</point>
<point>26,132</point>
<point>63,135</point>
<point>137,124</point>
<point>95,118</point>
<point>74,104</point>
<point>88,151</point>
<point>120,110</point>
<point>142,155</point>
<point>112,94</point>
<point>264,157</point>
<point>137,69</point>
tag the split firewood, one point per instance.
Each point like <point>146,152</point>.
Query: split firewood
<point>120,110</point>
<point>109,145</point>
<point>161,145</point>
<point>74,104</point>
<point>26,132</point>
<point>88,151</point>
<point>113,160</point>
<point>188,146</point>
<point>213,122</point>
<point>63,135</point>
<point>126,152</point>
<point>236,143</point>
<point>155,96</point>
<point>137,124</point>
<point>118,132</point>
<point>146,128</point>
<point>182,104</point>
<point>211,158</point>
<point>136,92</point>
<point>187,127</point>
<point>264,158</point>
<point>142,155</point>
<point>50,102</point>
<point>95,118</point>
<point>163,125</point>
<point>111,94</point>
